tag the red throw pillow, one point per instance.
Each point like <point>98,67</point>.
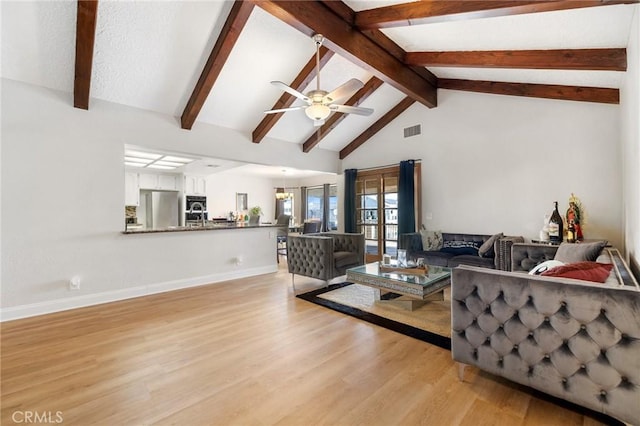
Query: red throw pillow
<point>588,271</point>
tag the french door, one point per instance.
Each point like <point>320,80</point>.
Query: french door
<point>377,210</point>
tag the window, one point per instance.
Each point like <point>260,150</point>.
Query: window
<point>321,201</point>
<point>315,203</point>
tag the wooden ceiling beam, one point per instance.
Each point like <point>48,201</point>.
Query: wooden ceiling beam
<point>378,37</point>
<point>560,59</point>
<point>336,118</point>
<point>547,91</point>
<point>230,33</point>
<point>311,17</point>
<point>377,126</point>
<point>341,9</point>
<point>85,39</point>
<point>432,11</point>
<point>299,83</point>
<point>399,53</point>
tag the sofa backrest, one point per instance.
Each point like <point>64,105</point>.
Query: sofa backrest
<point>476,238</point>
<point>524,256</point>
<point>413,241</point>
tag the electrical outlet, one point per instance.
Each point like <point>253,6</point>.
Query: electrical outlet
<point>239,260</point>
<point>429,216</point>
<point>74,283</point>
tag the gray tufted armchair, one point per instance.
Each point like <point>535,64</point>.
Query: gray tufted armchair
<point>572,339</point>
<point>325,255</point>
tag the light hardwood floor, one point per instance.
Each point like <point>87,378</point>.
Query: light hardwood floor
<point>244,352</point>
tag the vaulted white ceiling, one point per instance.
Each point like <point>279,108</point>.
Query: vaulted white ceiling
<point>149,55</point>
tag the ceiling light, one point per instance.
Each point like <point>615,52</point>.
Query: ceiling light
<point>129,163</point>
<point>317,111</point>
<point>282,195</point>
<point>168,163</point>
<point>177,159</point>
<point>137,160</point>
<point>141,154</point>
<point>157,166</point>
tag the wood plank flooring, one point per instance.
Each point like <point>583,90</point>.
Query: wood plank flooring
<point>244,352</point>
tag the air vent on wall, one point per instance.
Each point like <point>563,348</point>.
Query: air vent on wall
<point>412,131</point>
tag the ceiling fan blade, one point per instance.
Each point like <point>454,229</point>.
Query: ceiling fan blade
<point>351,109</point>
<point>318,123</point>
<point>343,91</point>
<point>291,91</point>
<point>275,111</point>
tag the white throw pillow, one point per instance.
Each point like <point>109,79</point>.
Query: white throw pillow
<point>431,240</point>
<point>545,266</point>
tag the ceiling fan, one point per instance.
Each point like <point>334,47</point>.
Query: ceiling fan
<point>320,103</point>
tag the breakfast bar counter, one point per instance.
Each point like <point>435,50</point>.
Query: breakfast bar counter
<point>207,227</point>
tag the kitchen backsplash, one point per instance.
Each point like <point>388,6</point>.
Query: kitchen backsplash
<point>130,213</point>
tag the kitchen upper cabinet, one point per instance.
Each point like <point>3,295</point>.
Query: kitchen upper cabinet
<point>158,181</point>
<point>195,185</point>
<point>131,189</point>
<point>169,182</point>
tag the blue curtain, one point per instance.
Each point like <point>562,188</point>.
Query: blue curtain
<point>325,207</point>
<point>350,200</point>
<point>406,200</point>
<point>303,205</point>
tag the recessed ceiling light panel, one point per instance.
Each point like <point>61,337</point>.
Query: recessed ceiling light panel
<point>168,163</point>
<point>177,159</point>
<point>141,154</point>
<point>138,160</point>
<point>157,166</point>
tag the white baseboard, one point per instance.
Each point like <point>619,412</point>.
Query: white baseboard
<point>41,308</point>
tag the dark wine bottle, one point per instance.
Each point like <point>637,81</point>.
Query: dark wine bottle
<point>556,231</point>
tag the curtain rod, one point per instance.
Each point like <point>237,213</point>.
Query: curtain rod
<point>417,160</point>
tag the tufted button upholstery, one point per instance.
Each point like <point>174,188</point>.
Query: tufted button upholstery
<point>324,256</point>
<point>579,342</point>
<point>412,242</point>
<point>525,257</point>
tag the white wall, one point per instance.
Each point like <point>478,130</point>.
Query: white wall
<point>494,163</point>
<point>630,136</point>
<point>222,188</point>
<point>63,178</point>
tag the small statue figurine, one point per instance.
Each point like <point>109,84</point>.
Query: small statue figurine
<point>574,214</point>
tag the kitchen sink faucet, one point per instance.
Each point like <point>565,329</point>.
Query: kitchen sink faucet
<point>197,203</point>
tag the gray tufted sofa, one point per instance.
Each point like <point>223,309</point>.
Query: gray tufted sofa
<point>501,259</point>
<point>572,339</point>
<point>325,255</point>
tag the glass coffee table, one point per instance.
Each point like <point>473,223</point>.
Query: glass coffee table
<point>414,290</point>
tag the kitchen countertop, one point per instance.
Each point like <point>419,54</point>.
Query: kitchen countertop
<point>207,227</point>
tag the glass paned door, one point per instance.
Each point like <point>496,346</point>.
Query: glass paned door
<point>367,209</point>
<point>377,212</point>
<point>390,187</point>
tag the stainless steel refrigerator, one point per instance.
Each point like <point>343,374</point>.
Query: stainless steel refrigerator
<point>161,208</point>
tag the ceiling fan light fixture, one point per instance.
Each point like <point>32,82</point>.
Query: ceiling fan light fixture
<point>317,111</point>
